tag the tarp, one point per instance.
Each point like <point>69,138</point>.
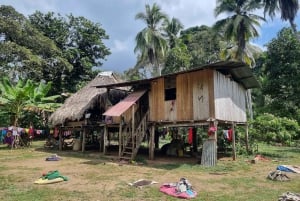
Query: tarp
<point>121,107</point>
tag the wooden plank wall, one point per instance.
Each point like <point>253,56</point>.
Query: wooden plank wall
<point>157,100</point>
<point>201,98</point>
<point>194,98</point>
<point>184,97</point>
<point>170,110</point>
<point>230,102</point>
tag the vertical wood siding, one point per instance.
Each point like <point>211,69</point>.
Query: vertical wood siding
<point>200,91</point>
<point>157,100</point>
<point>170,110</point>
<point>184,97</point>
<point>230,103</point>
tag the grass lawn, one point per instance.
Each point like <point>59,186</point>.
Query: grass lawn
<point>92,176</point>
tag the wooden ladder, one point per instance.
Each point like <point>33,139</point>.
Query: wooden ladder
<point>133,139</point>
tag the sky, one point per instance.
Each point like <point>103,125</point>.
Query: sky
<point>117,18</point>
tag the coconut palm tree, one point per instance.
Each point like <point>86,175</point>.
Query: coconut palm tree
<point>172,28</point>
<point>150,43</point>
<point>241,25</point>
<point>288,10</point>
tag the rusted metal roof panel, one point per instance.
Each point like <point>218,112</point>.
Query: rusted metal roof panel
<point>121,107</point>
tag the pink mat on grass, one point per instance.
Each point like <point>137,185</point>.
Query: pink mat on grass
<point>171,190</point>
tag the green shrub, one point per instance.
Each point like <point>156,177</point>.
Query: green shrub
<point>271,129</point>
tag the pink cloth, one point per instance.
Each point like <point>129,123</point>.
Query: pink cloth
<point>171,190</point>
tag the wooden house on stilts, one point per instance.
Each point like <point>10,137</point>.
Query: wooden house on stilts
<point>211,95</point>
<point>81,113</point>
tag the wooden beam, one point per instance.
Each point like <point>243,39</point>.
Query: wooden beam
<point>151,143</point>
<point>120,139</point>
<point>133,126</point>
<point>233,142</point>
<point>247,138</point>
<point>60,141</point>
<point>83,140</point>
<point>105,139</point>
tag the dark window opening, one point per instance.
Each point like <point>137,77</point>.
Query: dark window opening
<point>170,94</point>
<point>170,88</point>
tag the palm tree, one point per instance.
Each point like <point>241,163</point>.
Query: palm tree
<point>239,27</point>
<point>287,8</point>
<point>25,96</point>
<point>241,24</point>
<point>149,42</point>
<point>172,29</point>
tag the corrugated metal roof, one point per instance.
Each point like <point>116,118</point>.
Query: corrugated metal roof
<point>121,107</point>
<point>239,71</point>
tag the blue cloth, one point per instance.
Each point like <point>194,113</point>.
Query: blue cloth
<point>284,169</point>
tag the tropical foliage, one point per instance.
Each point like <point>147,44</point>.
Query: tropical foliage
<point>150,43</point>
<point>81,44</point>
<point>203,44</point>
<point>288,10</point>
<point>269,128</point>
<point>15,99</point>
<point>240,26</point>
<point>50,47</point>
<point>281,73</point>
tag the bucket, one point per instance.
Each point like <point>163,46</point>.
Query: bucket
<point>77,145</point>
<point>180,152</point>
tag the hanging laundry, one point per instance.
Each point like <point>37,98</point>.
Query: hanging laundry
<point>190,136</point>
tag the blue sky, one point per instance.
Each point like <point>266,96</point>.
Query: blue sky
<point>117,18</point>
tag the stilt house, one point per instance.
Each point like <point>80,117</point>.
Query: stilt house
<point>208,95</point>
<point>82,112</point>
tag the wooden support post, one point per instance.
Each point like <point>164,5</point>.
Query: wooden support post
<point>60,141</point>
<point>83,139</point>
<point>133,127</point>
<point>247,138</point>
<point>105,139</point>
<point>233,142</point>
<point>194,133</point>
<point>216,142</point>
<point>120,139</point>
<point>151,141</point>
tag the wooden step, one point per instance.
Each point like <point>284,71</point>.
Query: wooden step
<point>129,153</point>
<point>125,158</point>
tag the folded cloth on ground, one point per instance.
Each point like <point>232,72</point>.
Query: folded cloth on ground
<point>53,175</point>
<point>181,189</point>
<point>54,157</point>
<point>289,168</point>
<point>172,191</point>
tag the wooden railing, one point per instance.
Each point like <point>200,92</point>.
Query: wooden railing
<point>132,138</point>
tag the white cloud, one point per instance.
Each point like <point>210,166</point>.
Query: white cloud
<point>119,46</point>
<point>190,12</point>
<point>117,18</point>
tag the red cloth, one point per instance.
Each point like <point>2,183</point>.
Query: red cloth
<point>31,131</point>
<point>212,130</point>
<point>230,135</point>
<point>171,190</point>
<point>190,136</point>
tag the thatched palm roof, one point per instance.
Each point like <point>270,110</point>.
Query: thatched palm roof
<point>86,98</point>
